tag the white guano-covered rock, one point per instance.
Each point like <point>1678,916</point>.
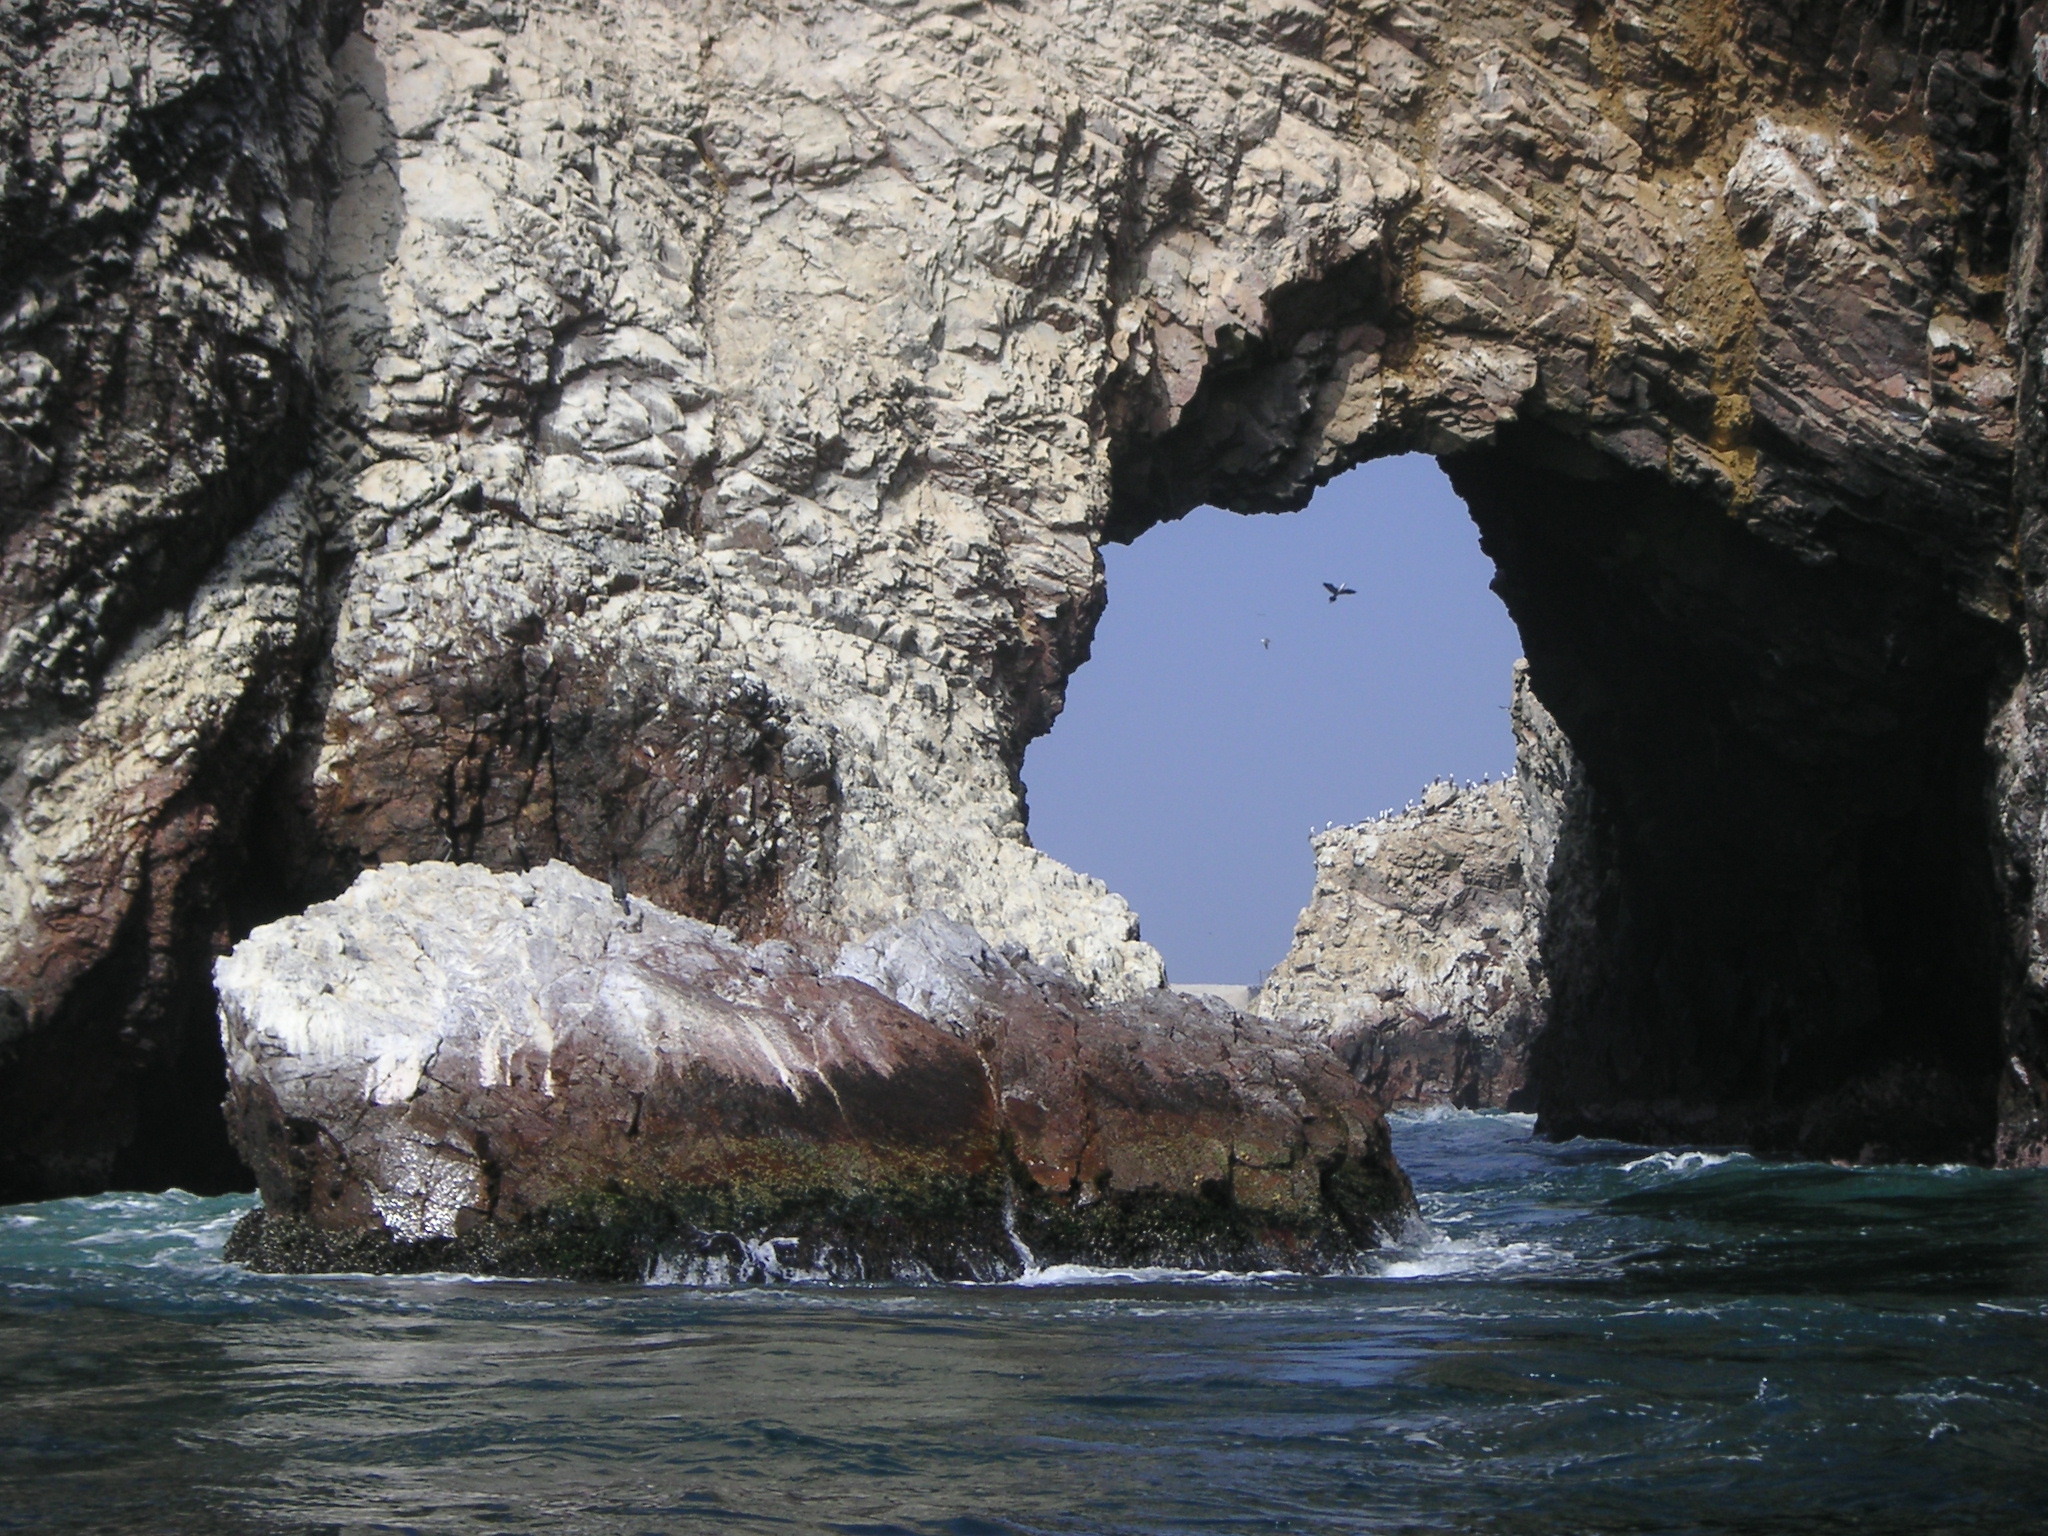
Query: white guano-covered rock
<point>451,1068</point>
<point>1419,953</point>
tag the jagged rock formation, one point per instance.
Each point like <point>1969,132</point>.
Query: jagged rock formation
<point>1414,952</point>
<point>162,205</point>
<point>449,1068</point>
<point>1419,952</point>
<point>675,437</point>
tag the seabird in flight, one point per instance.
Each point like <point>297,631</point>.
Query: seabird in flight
<point>1336,591</point>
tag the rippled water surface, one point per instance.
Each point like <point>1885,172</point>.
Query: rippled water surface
<point>1589,1339</point>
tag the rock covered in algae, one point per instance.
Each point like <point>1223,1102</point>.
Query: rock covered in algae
<point>1166,1126</point>
<point>523,1073</point>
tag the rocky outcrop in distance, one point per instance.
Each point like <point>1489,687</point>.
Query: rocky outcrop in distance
<point>1414,952</point>
<point>526,1074</point>
<point>1419,954</point>
<point>676,439</point>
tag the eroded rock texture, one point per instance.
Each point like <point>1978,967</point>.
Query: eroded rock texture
<point>1420,952</point>
<point>1414,953</point>
<point>449,1068</point>
<point>161,203</point>
<point>2021,734</point>
<point>709,414</point>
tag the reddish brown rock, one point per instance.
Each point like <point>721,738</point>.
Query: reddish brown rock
<point>1167,1125</point>
<point>449,1068</point>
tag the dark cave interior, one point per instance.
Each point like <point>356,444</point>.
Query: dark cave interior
<point>1777,921</point>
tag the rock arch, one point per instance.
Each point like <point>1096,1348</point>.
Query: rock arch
<point>705,417</point>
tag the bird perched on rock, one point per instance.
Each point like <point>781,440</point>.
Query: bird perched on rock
<point>1336,591</point>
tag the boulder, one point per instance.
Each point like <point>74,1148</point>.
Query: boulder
<point>528,1074</point>
<point>1167,1127</point>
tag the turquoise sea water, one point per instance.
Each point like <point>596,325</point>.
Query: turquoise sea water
<point>1587,1338</point>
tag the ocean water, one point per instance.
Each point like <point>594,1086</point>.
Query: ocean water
<point>1584,1338</point>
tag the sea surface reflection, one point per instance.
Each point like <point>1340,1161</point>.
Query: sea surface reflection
<point>1587,1338</point>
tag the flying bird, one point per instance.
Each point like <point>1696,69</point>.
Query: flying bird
<point>1266,643</point>
<point>1336,591</point>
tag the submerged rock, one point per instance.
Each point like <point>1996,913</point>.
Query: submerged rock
<point>447,1068</point>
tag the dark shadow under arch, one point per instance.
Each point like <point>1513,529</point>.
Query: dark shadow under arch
<point>1778,920</point>
<point>1776,915</point>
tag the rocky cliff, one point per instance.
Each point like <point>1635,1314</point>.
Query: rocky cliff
<point>1414,954</point>
<point>1419,954</point>
<point>2020,735</point>
<point>675,438</point>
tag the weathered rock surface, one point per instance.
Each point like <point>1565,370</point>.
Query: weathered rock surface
<point>709,413</point>
<point>161,200</point>
<point>1124,1110</point>
<point>2020,733</point>
<point>1419,953</point>
<point>449,1068</point>
<point>1414,952</point>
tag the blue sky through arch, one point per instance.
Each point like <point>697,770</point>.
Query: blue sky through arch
<point>1229,706</point>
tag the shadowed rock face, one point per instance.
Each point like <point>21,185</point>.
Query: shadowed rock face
<point>161,188</point>
<point>708,415</point>
<point>2020,733</point>
<point>1777,922</point>
<point>450,1069</point>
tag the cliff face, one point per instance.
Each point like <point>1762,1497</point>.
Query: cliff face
<point>1419,954</point>
<point>2020,736</point>
<point>675,438</point>
<point>161,205</point>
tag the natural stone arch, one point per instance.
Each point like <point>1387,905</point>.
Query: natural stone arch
<point>1780,915</point>
<point>719,407</point>
<point>1772,610</point>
